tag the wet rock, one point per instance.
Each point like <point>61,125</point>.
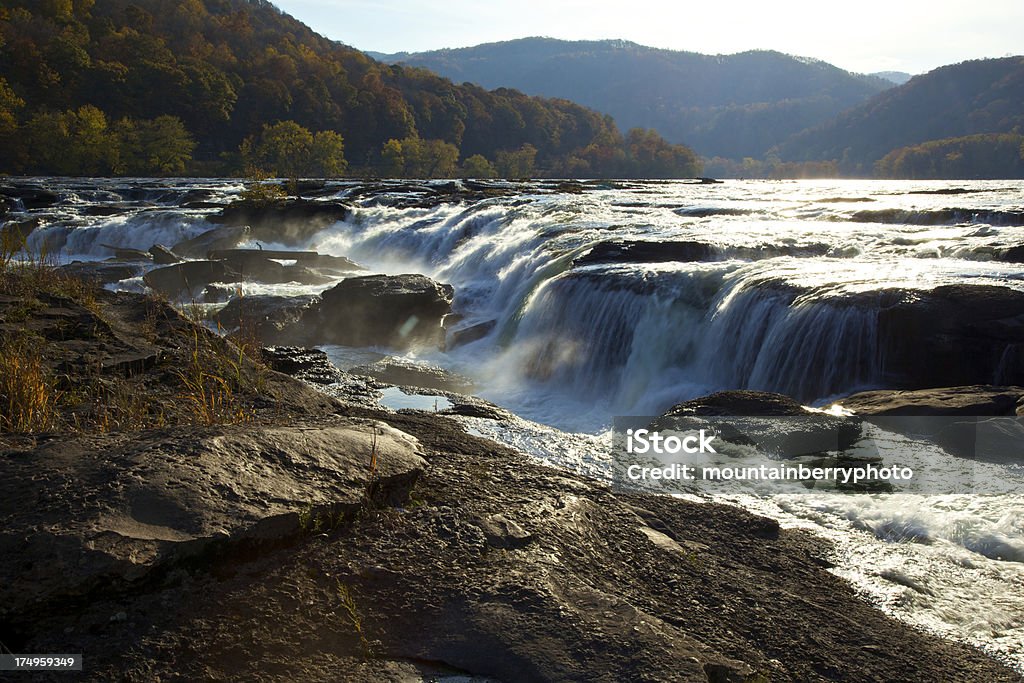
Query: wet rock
<point>972,400</point>
<point>775,423</point>
<point>268,317</point>
<point>406,373</point>
<point>102,272</point>
<point>289,221</point>
<point>950,336</point>
<point>309,365</point>
<point>162,256</point>
<point>400,311</point>
<point>469,334</point>
<point>125,254</point>
<point>31,197</point>
<point>187,280</point>
<point>224,237</point>
<point>1013,254</point>
<point>85,513</point>
<point>502,532</point>
<point>646,252</point>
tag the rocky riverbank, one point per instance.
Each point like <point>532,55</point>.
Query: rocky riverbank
<point>300,536</point>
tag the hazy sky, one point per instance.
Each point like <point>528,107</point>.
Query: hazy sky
<point>864,36</point>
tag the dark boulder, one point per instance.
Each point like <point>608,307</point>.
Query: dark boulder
<point>126,254</point>
<point>469,334</point>
<point>31,197</point>
<point>309,365</point>
<point>400,311</point>
<point>224,237</point>
<point>267,317</point>
<point>288,221</point>
<point>1013,254</point>
<point>646,252</point>
<point>187,279</point>
<point>162,256</point>
<point>775,423</point>
<point>102,272</point>
<point>950,336</point>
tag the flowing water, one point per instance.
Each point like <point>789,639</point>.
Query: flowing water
<point>761,302</point>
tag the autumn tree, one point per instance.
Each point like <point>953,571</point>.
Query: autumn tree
<point>477,166</point>
<point>518,164</point>
<point>161,147</point>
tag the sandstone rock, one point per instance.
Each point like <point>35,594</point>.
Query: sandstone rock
<point>102,272</point>
<point>288,221</point>
<point>467,335</point>
<point>951,335</point>
<point>269,317</point>
<point>972,400</point>
<point>125,254</point>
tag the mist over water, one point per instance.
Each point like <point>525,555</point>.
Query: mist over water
<point>777,286</point>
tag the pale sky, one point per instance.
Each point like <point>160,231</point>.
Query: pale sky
<point>863,36</point>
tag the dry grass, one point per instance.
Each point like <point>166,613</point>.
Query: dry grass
<point>26,273</point>
<point>209,394</point>
<point>28,394</point>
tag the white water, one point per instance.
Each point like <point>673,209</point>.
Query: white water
<point>574,346</point>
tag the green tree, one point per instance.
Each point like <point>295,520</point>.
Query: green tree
<point>477,166</point>
<point>392,159</point>
<point>281,149</point>
<point>517,165</point>
<point>327,155</point>
<point>160,147</point>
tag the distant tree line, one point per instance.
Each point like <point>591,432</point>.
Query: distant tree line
<point>971,156</point>
<point>221,87</point>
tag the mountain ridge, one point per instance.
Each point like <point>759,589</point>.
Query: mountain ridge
<point>704,100</point>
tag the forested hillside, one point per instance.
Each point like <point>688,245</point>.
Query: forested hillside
<point>91,87</point>
<point>967,99</point>
<point>731,106</point>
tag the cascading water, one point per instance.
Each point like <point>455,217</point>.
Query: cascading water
<point>786,297</point>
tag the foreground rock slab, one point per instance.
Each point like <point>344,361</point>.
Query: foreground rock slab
<point>89,514</point>
<point>504,568</point>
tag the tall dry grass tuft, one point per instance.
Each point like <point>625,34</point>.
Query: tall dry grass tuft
<point>209,395</point>
<point>28,394</point>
